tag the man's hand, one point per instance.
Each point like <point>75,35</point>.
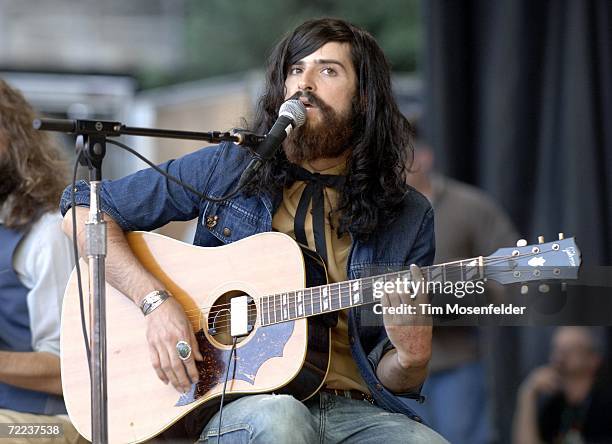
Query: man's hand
<point>404,368</point>
<point>409,333</point>
<point>167,325</point>
<point>542,380</point>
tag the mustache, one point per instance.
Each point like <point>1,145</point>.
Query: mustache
<point>311,97</point>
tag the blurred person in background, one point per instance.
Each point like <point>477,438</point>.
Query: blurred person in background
<point>468,224</point>
<point>35,263</point>
<point>566,401</point>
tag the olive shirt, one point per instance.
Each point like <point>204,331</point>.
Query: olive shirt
<point>343,373</point>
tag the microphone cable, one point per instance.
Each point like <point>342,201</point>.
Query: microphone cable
<point>229,361</point>
<point>75,248</point>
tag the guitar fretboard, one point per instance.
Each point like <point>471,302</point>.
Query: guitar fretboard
<point>313,301</point>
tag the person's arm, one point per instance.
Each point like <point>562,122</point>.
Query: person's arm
<point>525,426</point>
<point>166,325</point>
<point>42,263</point>
<point>38,371</point>
<point>404,368</point>
<point>147,200</point>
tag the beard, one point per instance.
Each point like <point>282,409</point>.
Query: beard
<point>328,137</point>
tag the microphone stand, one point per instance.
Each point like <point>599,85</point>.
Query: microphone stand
<point>91,140</point>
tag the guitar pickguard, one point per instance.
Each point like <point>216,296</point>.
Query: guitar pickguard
<point>268,342</point>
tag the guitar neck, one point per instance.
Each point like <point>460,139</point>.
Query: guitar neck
<point>293,305</point>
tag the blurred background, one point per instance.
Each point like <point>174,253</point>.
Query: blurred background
<point>513,96</point>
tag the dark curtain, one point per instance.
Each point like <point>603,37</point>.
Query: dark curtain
<point>519,102</point>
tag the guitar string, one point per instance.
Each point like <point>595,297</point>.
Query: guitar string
<point>342,294</point>
<point>283,308</point>
<point>491,260</point>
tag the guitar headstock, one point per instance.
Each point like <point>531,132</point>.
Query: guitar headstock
<point>558,260</point>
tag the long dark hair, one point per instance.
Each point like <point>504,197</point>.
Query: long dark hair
<point>33,164</point>
<point>376,183</point>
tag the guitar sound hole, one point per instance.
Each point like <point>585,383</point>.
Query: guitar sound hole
<point>219,317</point>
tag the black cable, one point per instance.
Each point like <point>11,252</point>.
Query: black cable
<point>174,179</point>
<point>229,362</point>
<point>75,248</point>
<point>76,251</point>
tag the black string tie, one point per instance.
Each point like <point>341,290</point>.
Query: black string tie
<point>314,191</point>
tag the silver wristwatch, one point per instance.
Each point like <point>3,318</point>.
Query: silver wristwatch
<point>153,300</point>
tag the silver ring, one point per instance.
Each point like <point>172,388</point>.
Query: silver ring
<point>183,349</point>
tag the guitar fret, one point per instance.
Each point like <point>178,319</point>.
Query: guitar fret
<point>307,307</point>
<point>326,298</point>
<point>275,318</point>
<point>292,305</point>
<point>334,289</point>
<point>355,292</point>
<point>320,310</point>
<point>300,304</point>
<point>261,312</point>
<point>339,295</point>
<point>284,312</point>
<point>435,275</point>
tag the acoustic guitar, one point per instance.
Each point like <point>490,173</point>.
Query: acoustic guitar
<point>287,347</point>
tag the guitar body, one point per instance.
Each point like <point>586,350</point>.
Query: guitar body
<point>286,357</point>
<point>287,348</point>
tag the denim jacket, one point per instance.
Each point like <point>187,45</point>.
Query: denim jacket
<point>146,200</point>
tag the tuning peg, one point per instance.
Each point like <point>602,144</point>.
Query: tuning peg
<point>524,289</point>
<point>540,239</point>
<point>543,288</point>
<point>521,243</point>
<point>561,236</point>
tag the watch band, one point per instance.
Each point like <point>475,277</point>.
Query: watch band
<point>153,300</point>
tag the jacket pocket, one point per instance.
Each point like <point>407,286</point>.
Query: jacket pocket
<point>229,221</point>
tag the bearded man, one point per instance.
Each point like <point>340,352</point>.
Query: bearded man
<point>357,141</point>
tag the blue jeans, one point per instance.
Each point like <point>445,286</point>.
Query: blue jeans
<point>456,404</point>
<point>325,418</point>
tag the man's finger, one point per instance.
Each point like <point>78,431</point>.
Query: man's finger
<point>195,348</point>
<point>417,274</point>
<point>157,364</point>
<point>386,302</point>
<point>166,366</point>
<point>191,369</point>
<point>179,367</point>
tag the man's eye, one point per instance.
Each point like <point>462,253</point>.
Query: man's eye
<point>329,71</point>
<point>295,70</point>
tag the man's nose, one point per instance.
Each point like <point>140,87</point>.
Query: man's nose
<point>306,82</point>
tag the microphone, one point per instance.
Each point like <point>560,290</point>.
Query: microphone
<point>292,114</point>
